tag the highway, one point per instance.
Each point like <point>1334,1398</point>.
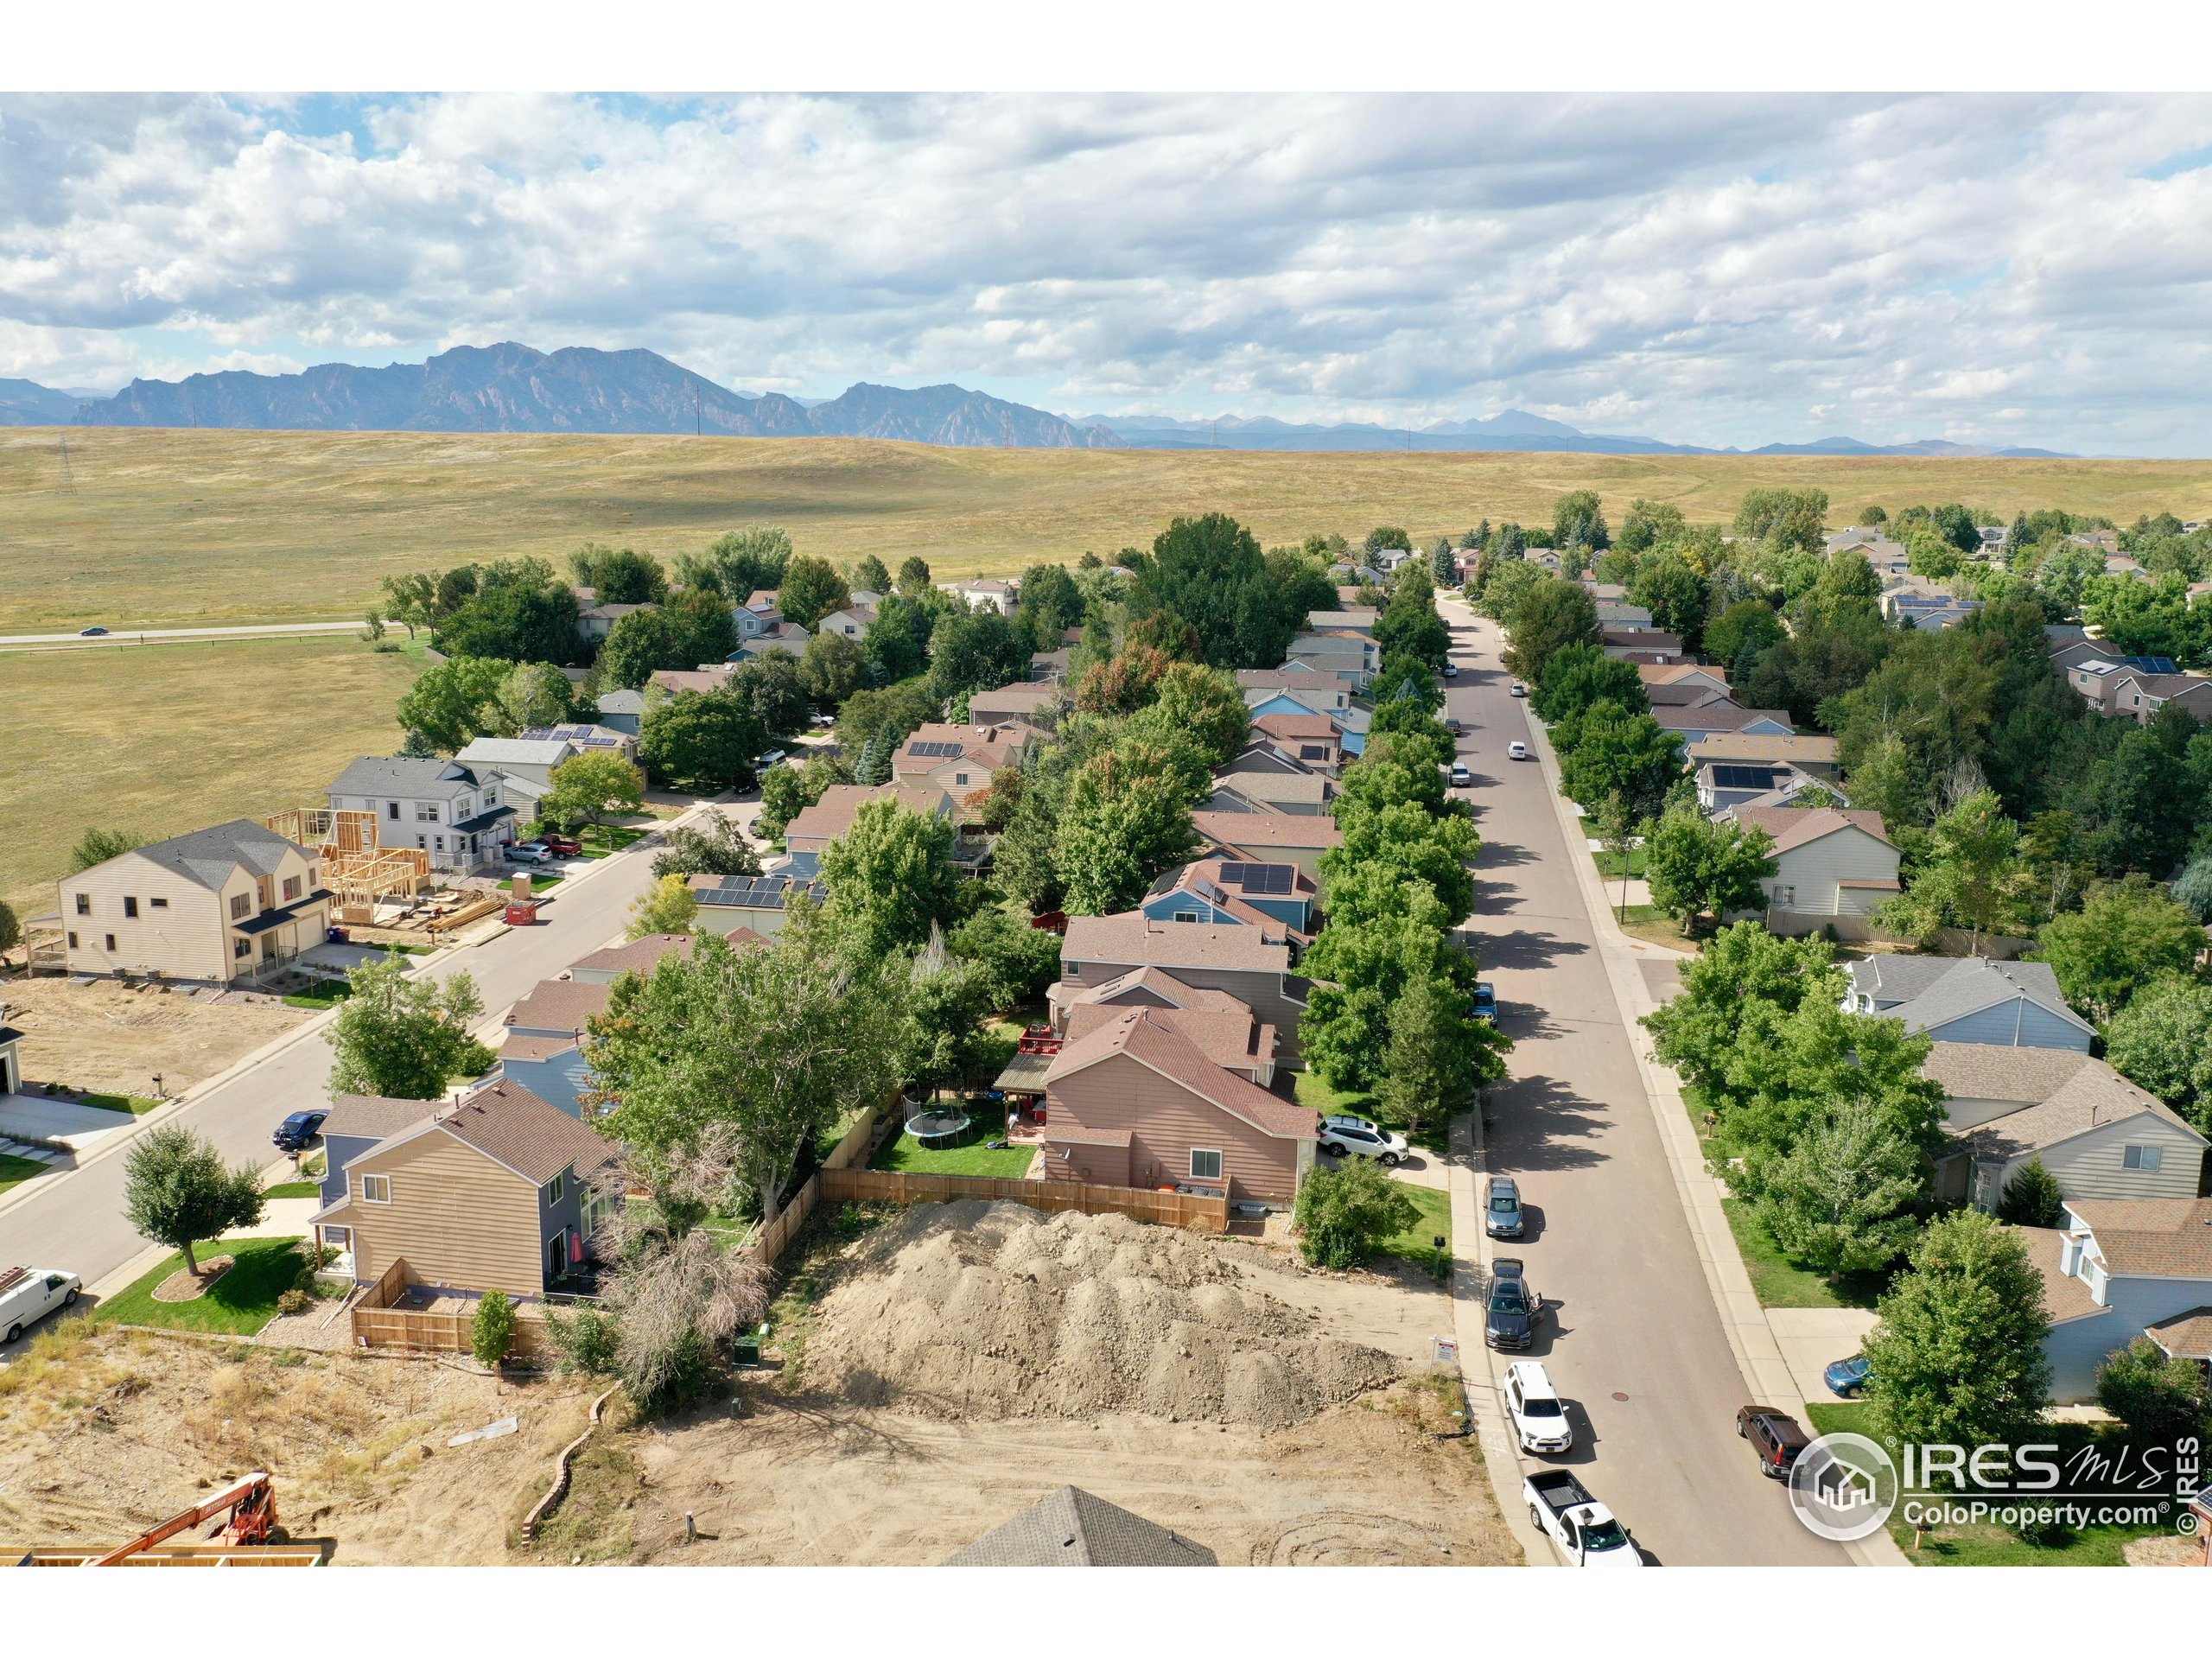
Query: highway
<point>1635,1341</point>
<point>157,636</point>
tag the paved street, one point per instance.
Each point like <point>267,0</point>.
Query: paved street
<point>1635,1343</point>
<point>74,1220</point>
<point>126,636</point>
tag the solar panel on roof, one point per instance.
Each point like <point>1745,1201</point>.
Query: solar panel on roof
<point>933,751</point>
<point>2152,664</point>
<point>1234,873</point>
<point>1259,878</point>
<point>1743,776</point>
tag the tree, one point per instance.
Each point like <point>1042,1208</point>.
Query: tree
<point>719,849</point>
<point>667,906</point>
<point>1208,574</point>
<point>1204,705</point>
<point>1012,961</point>
<point>1402,842</point>
<point>592,787</point>
<point>890,877</point>
<point>1745,629</point>
<point>453,702</point>
<point>519,613</point>
<point>708,738</point>
<point>2162,1400</point>
<point>1836,1201</point>
<point>1698,868</point>
<point>913,576</point>
<point>1607,749</point>
<point>1579,520</point>
<point>410,599</point>
<point>491,1332</point>
<point>898,641</point>
<point>1409,624</point>
<point>1965,876</point>
<point>2192,888</point>
<point>176,1191</point>
<point>2032,1198</point>
<point>1782,517</point>
<point>1439,1055</point>
<point>96,846</point>
<point>811,589</point>
<point>771,686</point>
<point>976,650</point>
<point>11,930</point>
<point>402,1037</point>
<point>1675,594</point>
<point>1388,536</point>
<point>619,576</point>
<point>1958,1356</point>
<point>869,574</point>
<point>832,668</point>
<point>2124,936</point>
<point>1742,983</point>
<point>942,1040</point>
<point>1551,615</point>
<point>532,693</point>
<point>1345,1215</point>
<point>1051,604</point>
<point>1123,684</point>
<point>740,563</point>
<point>1581,676</point>
<point>2162,1040</point>
<point>1362,971</point>
<point>1122,824</point>
<point>1616,827</point>
<point>1443,566</point>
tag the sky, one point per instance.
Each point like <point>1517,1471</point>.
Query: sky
<point>1995,269</point>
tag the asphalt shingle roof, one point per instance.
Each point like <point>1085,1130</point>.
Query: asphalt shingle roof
<point>406,778</point>
<point>207,857</point>
<point>2156,1238</point>
<point>1070,1527</point>
<point>536,1139</point>
<point>1935,990</point>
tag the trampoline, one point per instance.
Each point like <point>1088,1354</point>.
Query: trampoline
<point>937,1129</point>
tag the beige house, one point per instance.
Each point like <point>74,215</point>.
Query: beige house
<point>217,904</point>
<point>831,818</point>
<point>1813,755</point>
<point>1827,860</point>
<point>1269,837</point>
<point>2098,1133</point>
<point>1244,961</point>
<point>958,759</point>
<point>1037,704</point>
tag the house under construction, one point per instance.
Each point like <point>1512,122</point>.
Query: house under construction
<point>359,874</point>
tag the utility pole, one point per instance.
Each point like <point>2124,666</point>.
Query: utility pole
<point>68,479</point>
<point>698,419</point>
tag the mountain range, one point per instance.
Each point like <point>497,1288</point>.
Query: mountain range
<point>513,388</point>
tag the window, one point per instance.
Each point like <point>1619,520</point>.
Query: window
<point>241,904</point>
<point>84,904</point>
<point>240,948</point>
<point>440,842</point>
<point>130,909</point>
<point>1186,915</point>
<point>426,811</point>
<point>490,796</point>
<point>392,810</point>
<point>161,904</point>
<point>556,1187</point>
<point>2144,1158</point>
<point>72,941</point>
<point>1205,1166</point>
<point>291,888</point>
<point>959,777</point>
<point>376,1189</point>
<point>110,943</point>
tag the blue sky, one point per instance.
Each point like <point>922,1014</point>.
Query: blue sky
<point>1716,268</point>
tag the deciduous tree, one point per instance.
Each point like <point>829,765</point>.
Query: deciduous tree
<point>1836,1201</point>
<point>890,877</point>
<point>404,1037</point>
<point>667,906</point>
<point>2125,935</point>
<point>453,702</point>
<point>177,1192</point>
<point>1698,868</point>
<point>811,588</point>
<point>591,788</point>
<point>1345,1215</point>
<point>708,738</point>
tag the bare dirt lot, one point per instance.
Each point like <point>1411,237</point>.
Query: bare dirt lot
<point>110,1041</point>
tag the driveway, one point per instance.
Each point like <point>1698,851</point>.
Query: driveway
<point>31,1117</point>
<point>1635,1343</point>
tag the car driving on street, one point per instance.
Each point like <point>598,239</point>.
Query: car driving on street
<point>1516,750</point>
<point>1484,1005</point>
<point>1362,1140</point>
<point>1534,1410</point>
<point>1461,777</point>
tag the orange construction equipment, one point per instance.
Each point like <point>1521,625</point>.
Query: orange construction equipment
<point>245,1511</point>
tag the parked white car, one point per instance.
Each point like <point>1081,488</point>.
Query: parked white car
<point>1516,750</point>
<point>29,1294</point>
<point>1352,1140</point>
<point>1461,777</point>
<point>1519,690</point>
<point>1534,1410</point>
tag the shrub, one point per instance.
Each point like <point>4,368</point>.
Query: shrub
<point>2032,1198</point>
<point>1344,1215</point>
<point>295,1300</point>
<point>2160,1399</point>
<point>492,1334</point>
<point>586,1339</point>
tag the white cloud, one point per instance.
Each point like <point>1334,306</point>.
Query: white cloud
<point>1708,269</point>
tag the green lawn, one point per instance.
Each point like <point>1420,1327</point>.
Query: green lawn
<point>1780,1282</point>
<point>238,1304</point>
<point>603,838</point>
<point>1314,1093</point>
<point>1650,924</point>
<point>1414,1243</point>
<point>1609,863</point>
<point>1990,1544</point>
<point>292,1189</point>
<point>15,1171</point>
<point>970,1157</point>
<point>136,1105</point>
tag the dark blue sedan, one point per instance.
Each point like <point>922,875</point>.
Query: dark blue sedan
<point>1847,1376</point>
<point>295,1134</point>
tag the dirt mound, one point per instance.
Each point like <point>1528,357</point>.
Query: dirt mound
<point>974,1310</point>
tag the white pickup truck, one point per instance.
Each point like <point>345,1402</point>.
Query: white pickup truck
<point>1584,1530</point>
<point>29,1294</point>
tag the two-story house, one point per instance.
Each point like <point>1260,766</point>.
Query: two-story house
<point>1815,754</point>
<point>958,759</point>
<point>1969,1000</point>
<point>1037,704</point>
<point>830,818</point>
<point>1269,837</point>
<point>546,1031</point>
<point>2119,1269</point>
<point>757,905</point>
<point>1314,741</point>
<point>850,621</point>
<point>1244,961</point>
<point>457,813</point>
<point>1278,899</point>
<point>530,758</point>
<point>1828,860</point>
<point>1717,717</point>
<point>217,904</point>
<point>1000,593</point>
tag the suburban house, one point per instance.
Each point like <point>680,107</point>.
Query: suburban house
<point>2099,1134</point>
<point>1000,593</point>
<point>1722,788</point>
<point>1259,787</point>
<point>1277,898</point>
<point>1644,645</point>
<point>1828,860</point>
<point>1682,676</point>
<point>1353,619</point>
<point>1269,837</point>
<point>595,620</point>
<point>1363,655</point>
<point>544,1048</point>
<point>2123,688</point>
<point>958,759</point>
<point>731,904</point>
<point>829,818</point>
<point>762,612</point>
<point>1244,961</point>
<point>1932,614</point>
<point>1718,717</point>
<point>2119,1269</point>
<point>1619,614</point>
<point>787,637</point>
<point>1070,1527</point>
<point>1052,667</point>
<point>519,757</point>
<point>1323,694</point>
<point>1314,741</point>
<point>1036,704</point>
<point>497,1190</point>
<point>356,1123</point>
<point>457,813</point>
<point>668,682</point>
<point>1350,719</point>
<point>217,904</point>
<point>1137,1102</point>
<point>638,956</point>
<point>1687,696</point>
<point>622,711</point>
<point>586,740</point>
<point>1815,755</point>
<point>853,621</point>
<point>1969,1000</point>
<point>1228,1031</point>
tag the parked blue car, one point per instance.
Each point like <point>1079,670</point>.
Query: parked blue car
<point>1486,1003</point>
<point>1847,1376</point>
<point>297,1132</point>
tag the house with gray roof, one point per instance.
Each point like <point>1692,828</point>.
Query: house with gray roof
<point>623,710</point>
<point>221,904</point>
<point>533,758</point>
<point>463,817</point>
<point>1070,1527</point>
<point>2098,1134</point>
<point>1969,1000</point>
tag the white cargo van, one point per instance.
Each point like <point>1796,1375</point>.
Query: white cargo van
<point>29,1294</point>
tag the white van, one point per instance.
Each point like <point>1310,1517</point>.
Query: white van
<point>29,1294</point>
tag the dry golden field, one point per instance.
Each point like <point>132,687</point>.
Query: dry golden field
<point>185,527</point>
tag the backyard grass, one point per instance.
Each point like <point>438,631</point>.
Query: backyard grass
<point>1991,1543</point>
<point>1779,1282</point>
<point>161,740</point>
<point>1416,1244</point>
<point>238,1304</point>
<point>970,1157</point>
<point>15,1171</point>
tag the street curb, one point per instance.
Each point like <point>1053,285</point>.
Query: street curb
<point>1743,1317</point>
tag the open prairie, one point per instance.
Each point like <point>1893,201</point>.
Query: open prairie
<point>164,738</point>
<point>155,526</point>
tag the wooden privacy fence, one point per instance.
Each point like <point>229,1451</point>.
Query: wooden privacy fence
<point>377,1323</point>
<point>1192,1210</point>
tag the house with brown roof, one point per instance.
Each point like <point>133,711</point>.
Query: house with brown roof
<point>1828,860</point>
<point>1244,960</point>
<point>958,759</point>
<point>1644,645</point>
<point>1320,693</point>
<point>1136,1101</point>
<point>497,1190</point>
<point>544,1049</point>
<point>1037,704</point>
<point>1278,897</point>
<point>637,957</point>
<point>2118,1269</point>
<point>852,622</point>
<point>670,681</point>
<point>1269,837</point>
<point>1716,716</point>
<point>2098,1134</point>
<point>1314,741</point>
<point>1261,780</point>
<point>1815,755</point>
<point>830,818</point>
<point>1682,675</point>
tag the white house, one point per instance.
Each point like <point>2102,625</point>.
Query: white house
<point>1002,593</point>
<point>457,814</point>
<point>533,758</point>
<point>1828,860</point>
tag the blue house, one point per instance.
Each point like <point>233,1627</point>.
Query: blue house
<point>544,1048</point>
<point>1351,722</point>
<point>1969,1000</point>
<point>1277,898</point>
<point>356,1123</point>
<point>2121,1268</point>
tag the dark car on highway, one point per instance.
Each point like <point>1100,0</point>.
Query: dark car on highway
<point>1775,1436</point>
<point>297,1131</point>
<point>1513,1313</point>
<point>91,633</point>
